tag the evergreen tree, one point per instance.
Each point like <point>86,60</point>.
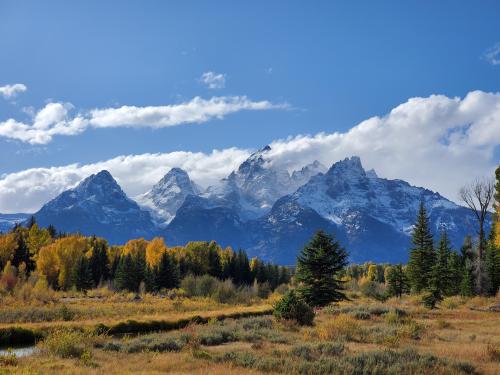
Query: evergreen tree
<point>422,253</point>
<point>260,272</point>
<point>139,265</point>
<point>22,254</point>
<point>149,280</point>
<point>214,264</point>
<point>440,277</point>
<point>467,284</point>
<point>397,282</point>
<point>441,269</point>
<point>492,266</point>
<point>318,266</point>
<point>99,262</point>
<point>284,277</point>
<point>467,260</point>
<point>52,231</point>
<point>456,274</point>
<point>243,274</point>
<point>166,274</point>
<point>83,274</point>
<point>113,267</point>
<point>125,278</point>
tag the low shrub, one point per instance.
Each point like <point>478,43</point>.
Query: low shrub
<point>374,290</point>
<point>315,352</point>
<point>303,361</point>
<point>343,326</point>
<point>66,343</point>
<point>217,336</point>
<point>218,290</point>
<point>66,313</point>
<point>292,308</point>
<point>453,302</point>
<point>394,316</point>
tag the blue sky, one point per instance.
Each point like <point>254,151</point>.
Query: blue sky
<point>333,63</point>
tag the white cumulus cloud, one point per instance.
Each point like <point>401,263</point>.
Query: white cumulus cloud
<point>436,142</point>
<point>11,91</point>
<point>55,118</point>
<point>28,190</point>
<point>213,80</point>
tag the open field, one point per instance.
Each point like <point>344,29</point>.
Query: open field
<point>398,336</point>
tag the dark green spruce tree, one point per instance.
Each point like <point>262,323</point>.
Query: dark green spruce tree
<point>125,278</point>
<point>456,274</point>
<point>397,282</point>
<point>492,266</point>
<point>166,273</point>
<point>440,277</point>
<point>83,274</point>
<point>99,262</point>
<point>467,258</point>
<point>422,254</point>
<point>318,267</point>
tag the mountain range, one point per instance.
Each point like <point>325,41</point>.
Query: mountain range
<point>264,209</point>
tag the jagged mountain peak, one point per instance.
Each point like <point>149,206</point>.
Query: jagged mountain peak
<point>175,176</point>
<point>100,186</point>
<point>97,205</point>
<point>165,198</point>
<point>350,166</point>
<point>100,178</point>
<point>303,175</point>
<point>255,163</point>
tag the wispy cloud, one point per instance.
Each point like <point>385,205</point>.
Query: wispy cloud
<point>56,119</point>
<point>11,91</point>
<point>213,80</point>
<point>436,142</point>
<point>492,55</point>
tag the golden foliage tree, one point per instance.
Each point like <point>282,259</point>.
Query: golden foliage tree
<point>37,238</point>
<point>8,247</point>
<point>136,247</point>
<point>154,251</point>
<point>58,260</point>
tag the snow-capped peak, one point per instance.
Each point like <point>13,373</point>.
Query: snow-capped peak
<point>348,167</point>
<point>165,198</point>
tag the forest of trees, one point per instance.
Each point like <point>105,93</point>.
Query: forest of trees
<point>78,262</point>
<point>434,269</point>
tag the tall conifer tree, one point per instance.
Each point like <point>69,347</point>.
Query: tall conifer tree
<point>397,283</point>
<point>318,268</point>
<point>422,254</point>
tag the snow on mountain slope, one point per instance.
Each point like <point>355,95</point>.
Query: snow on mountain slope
<point>165,198</point>
<point>97,206</point>
<point>256,185</point>
<point>7,221</point>
<point>346,189</point>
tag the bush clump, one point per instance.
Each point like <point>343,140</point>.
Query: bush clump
<point>66,343</point>
<point>292,307</point>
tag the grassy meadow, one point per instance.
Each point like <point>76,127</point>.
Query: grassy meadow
<point>363,335</point>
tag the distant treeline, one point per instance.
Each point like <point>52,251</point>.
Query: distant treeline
<point>69,261</point>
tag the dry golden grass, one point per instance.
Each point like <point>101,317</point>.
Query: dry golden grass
<point>454,332</point>
<point>117,308</point>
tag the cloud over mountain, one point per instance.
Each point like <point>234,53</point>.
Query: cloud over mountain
<point>437,142</point>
